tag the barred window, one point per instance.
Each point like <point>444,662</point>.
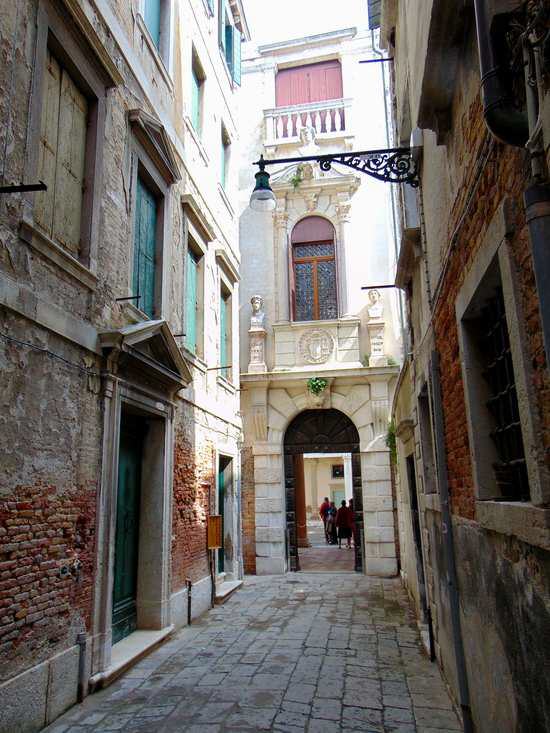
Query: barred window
<point>314,270</point>
<point>510,468</point>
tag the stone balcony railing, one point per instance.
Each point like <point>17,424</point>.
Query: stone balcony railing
<point>316,344</point>
<point>330,120</point>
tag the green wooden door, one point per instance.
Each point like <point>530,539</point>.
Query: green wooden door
<point>145,237</point>
<point>221,503</point>
<point>127,533</point>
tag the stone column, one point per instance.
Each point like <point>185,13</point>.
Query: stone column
<point>343,209</point>
<point>280,259</point>
<point>300,494</point>
<point>348,478</point>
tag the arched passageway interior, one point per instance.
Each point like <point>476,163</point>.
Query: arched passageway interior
<point>319,431</point>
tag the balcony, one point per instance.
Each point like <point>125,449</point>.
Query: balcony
<point>317,345</point>
<point>330,120</point>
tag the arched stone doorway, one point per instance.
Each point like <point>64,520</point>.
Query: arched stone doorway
<point>320,431</point>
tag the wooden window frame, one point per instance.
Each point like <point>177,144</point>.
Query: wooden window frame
<point>59,35</point>
<point>314,261</point>
<point>195,243</point>
<point>163,53</point>
<point>226,293</point>
<point>197,71</point>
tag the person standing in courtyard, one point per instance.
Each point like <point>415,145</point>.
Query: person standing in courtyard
<point>344,524</point>
<point>323,511</point>
<point>331,524</point>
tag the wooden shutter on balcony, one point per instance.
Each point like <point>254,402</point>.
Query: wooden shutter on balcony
<point>309,83</point>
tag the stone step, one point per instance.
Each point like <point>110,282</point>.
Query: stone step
<point>226,589</point>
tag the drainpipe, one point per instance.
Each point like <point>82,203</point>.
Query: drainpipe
<point>504,121</point>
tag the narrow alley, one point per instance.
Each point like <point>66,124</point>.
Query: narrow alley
<point>307,652</point>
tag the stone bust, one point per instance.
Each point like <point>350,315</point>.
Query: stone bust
<point>376,307</point>
<point>307,139</point>
<point>258,316</point>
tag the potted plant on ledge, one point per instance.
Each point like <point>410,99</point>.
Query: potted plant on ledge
<point>316,387</point>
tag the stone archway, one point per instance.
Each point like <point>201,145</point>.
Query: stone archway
<point>321,431</point>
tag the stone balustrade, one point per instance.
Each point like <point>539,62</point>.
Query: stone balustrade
<point>330,119</point>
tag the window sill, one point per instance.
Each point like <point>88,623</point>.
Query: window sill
<point>155,53</point>
<point>226,384</point>
<point>226,201</point>
<point>528,523</point>
<point>196,139</point>
<point>56,254</point>
<point>194,360</point>
<point>135,314</point>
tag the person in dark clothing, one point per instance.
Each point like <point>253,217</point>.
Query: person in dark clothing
<point>353,527</point>
<point>344,522</point>
<point>331,524</point>
<point>323,510</point>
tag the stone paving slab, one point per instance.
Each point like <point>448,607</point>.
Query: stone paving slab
<point>307,653</point>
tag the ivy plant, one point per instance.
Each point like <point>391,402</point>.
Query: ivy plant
<point>297,178</point>
<point>391,442</point>
<point>316,385</point>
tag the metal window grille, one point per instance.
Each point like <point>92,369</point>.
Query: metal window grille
<point>510,470</point>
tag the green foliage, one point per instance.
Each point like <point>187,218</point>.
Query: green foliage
<point>316,385</point>
<point>365,361</point>
<point>391,442</point>
<point>392,361</point>
<point>297,178</point>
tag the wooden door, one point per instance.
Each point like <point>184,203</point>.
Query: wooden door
<point>127,532</point>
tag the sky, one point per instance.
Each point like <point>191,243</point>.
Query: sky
<point>279,20</point>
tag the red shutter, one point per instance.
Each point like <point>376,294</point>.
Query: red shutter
<point>309,83</point>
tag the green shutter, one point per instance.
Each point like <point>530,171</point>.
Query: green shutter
<point>152,19</point>
<point>145,248</point>
<point>191,302</point>
<point>221,23</point>
<point>223,336</point>
<point>236,64</point>
<point>211,6</point>
<point>195,100</point>
<point>229,46</point>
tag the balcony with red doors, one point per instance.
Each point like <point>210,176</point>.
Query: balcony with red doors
<point>308,97</point>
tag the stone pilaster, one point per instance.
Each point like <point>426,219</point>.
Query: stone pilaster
<point>280,244</point>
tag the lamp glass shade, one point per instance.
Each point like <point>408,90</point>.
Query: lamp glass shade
<point>262,198</point>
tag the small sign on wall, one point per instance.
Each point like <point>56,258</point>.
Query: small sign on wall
<point>214,527</point>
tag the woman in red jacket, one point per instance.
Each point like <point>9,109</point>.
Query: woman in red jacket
<point>344,523</point>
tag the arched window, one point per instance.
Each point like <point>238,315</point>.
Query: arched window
<point>313,270</point>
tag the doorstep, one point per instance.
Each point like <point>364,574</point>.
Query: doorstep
<point>226,589</point>
<point>128,652</point>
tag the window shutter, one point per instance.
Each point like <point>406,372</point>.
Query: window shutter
<point>223,162</point>
<point>44,200</point>
<point>152,20</point>
<point>236,65</point>
<point>191,303</point>
<point>69,174</point>
<point>195,100</point>
<point>223,335</point>
<point>211,6</point>
<point>145,249</point>
<point>221,23</point>
<point>229,47</point>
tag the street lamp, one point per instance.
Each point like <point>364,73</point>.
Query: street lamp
<point>392,165</point>
<point>262,198</point>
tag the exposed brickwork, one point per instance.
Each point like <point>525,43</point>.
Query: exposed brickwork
<point>40,609</point>
<point>248,496</point>
<point>505,175</point>
<point>194,481</point>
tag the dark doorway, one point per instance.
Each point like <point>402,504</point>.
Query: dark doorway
<point>320,431</point>
<point>225,478</point>
<point>417,536</point>
<point>132,431</point>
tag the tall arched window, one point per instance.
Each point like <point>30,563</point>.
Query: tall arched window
<point>313,270</point>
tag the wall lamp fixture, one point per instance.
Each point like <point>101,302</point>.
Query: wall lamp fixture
<point>393,165</point>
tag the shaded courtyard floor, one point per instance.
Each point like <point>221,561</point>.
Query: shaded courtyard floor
<point>321,557</point>
<point>301,652</point>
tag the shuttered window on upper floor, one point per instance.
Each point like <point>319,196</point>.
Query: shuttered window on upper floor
<point>62,155</point>
<point>145,248</point>
<point>309,83</point>
<point>230,40</point>
<point>151,16</point>
<point>191,304</point>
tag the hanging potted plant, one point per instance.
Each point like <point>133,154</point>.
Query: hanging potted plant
<point>316,387</point>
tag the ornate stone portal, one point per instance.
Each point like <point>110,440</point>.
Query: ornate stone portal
<point>256,336</point>
<point>316,346</point>
<point>376,328</point>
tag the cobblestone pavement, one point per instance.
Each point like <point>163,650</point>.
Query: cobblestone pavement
<point>302,652</point>
<point>321,557</point>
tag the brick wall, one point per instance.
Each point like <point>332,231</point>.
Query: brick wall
<point>248,511</point>
<point>194,486</point>
<point>505,175</point>
<point>42,611</point>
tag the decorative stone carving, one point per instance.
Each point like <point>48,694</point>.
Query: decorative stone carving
<point>307,172</point>
<point>376,307</point>
<point>256,336</point>
<point>343,211</point>
<point>280,219</point>
<point>316,347</point>
<point>311,199</point>
<point>307,138</point>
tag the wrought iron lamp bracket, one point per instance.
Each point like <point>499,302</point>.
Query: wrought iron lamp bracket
<point>393,165</point>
